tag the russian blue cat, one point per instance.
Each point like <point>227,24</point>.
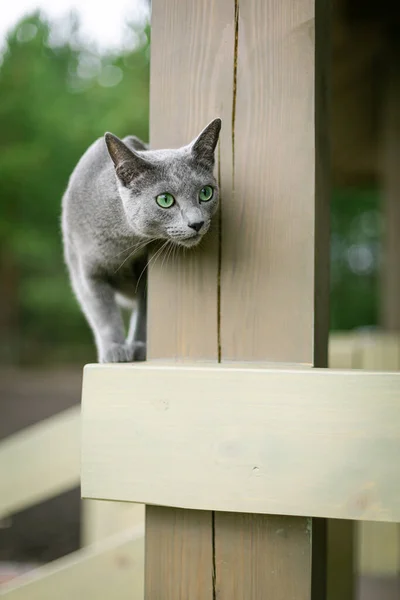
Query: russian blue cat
<point>121,199</point>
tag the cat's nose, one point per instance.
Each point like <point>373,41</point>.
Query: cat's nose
<point>197,225</point>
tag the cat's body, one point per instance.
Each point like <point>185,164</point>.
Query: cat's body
<point>117,204</point>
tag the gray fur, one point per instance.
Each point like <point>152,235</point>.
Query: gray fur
<point>110,220</point>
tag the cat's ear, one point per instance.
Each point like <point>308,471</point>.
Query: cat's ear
<point>137,143</point>
<point>127,163</point>
<point>204,145</point>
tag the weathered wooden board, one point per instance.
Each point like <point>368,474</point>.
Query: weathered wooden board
<point>274,260</point>
<point>40,462</point>
<point>191,83</point>
<point>312,442</point>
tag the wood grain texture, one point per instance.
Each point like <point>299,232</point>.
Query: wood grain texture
<point>315,442</point>
<point>184,534</point>
<point>265,569</point>
<point>191,83</point>
<point>268,242</point>
<point>274,270</point>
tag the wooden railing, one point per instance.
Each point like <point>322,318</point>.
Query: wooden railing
<point>40,462</point>
<point>44,460</point>
<point>377,544</point>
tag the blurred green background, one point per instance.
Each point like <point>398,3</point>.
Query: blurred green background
<point>56,97</point>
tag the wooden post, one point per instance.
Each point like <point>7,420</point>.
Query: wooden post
<point>192,58</point>
<point>258,291</point>
<point>275,266</point>
<point>390,298</point>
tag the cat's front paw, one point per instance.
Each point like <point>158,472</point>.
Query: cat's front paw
<point>116,353</point>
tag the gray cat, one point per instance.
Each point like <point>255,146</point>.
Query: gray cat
<point>121,199</point>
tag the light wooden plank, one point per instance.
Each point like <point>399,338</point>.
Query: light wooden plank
<point>191,83</point>
<point>378,544</point>
<point>40,462</point>
<point>113,570</point>
<point>244,440</point>
<point>102,519</point>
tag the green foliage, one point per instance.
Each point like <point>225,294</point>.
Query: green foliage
<point>356,230</point>
<point>55,100</point>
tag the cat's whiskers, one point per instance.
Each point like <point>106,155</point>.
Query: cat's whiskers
<point>134,246</point>
<point>150,261</point>
<point>168,253</point>
<point>171,249</point>
<point>134,251</point>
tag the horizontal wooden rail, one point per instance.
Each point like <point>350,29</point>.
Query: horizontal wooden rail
<point>315,442</point>
<point>102,520</point>
<point>33,469</point>
<point>115,569</point>
<point>40,461</point>
<point>377,544</point>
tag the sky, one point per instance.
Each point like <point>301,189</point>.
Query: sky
<point>102,21</point>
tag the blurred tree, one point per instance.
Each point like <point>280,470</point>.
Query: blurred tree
<point>58,94</point>
<point>56,97</point>
<point>356,231</point>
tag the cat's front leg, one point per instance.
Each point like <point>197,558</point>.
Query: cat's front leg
<point>137,334</point>
<point>97,299</point>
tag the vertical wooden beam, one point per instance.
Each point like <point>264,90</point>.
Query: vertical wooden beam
<point>259,289</point>
<point>271,284</point>
<point>390,290</point>
<point>191,83</point>
<point>275,261</point>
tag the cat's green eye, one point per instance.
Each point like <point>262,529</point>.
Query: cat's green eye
<point>206,193</point>
<point>165,200</point>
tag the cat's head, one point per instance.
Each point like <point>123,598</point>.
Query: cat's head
<point>168,194</point>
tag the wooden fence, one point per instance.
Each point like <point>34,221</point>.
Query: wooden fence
<point>45,461</point>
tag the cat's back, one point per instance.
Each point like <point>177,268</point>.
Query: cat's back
<point>93,220</point>
<point>88,198</point>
